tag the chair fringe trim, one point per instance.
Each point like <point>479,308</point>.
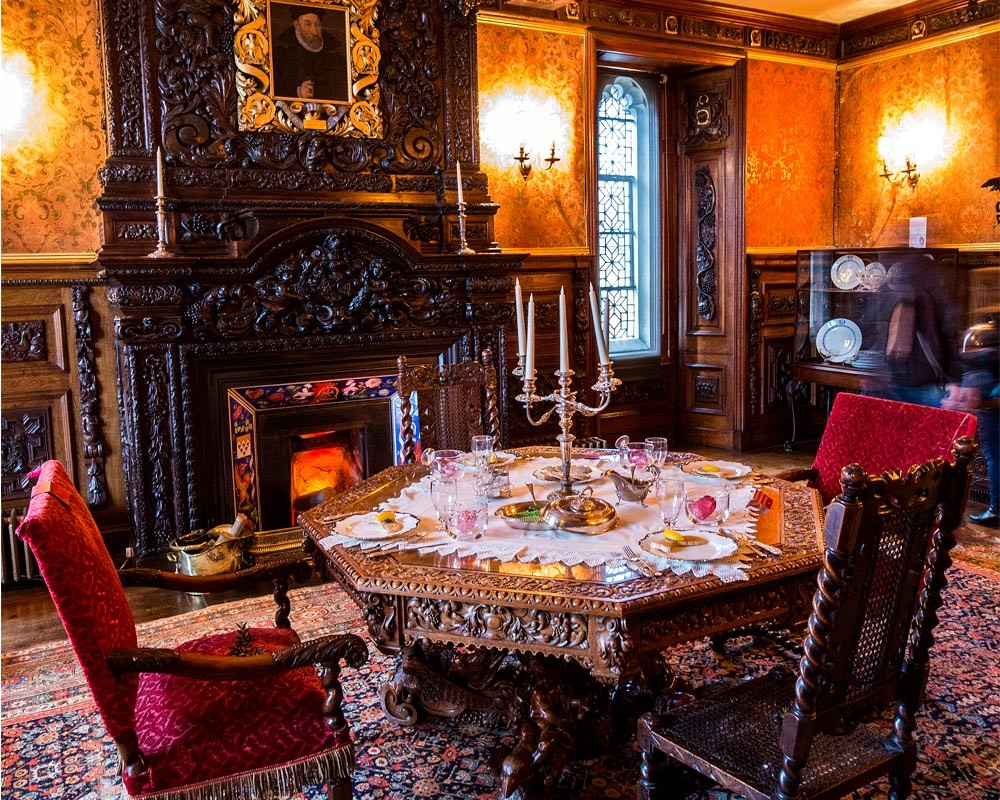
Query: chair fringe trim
<point>280,781</point>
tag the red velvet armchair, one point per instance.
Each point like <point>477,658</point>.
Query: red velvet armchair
<point>880,435</point>
<point>231,715</point>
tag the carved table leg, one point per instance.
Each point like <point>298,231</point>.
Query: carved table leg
<point>445,681</point>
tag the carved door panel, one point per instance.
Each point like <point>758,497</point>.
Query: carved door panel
<point>711,338</point>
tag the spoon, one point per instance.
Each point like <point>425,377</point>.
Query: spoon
<point>531,489</point>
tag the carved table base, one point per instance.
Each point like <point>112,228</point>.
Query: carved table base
<point>557,710</point>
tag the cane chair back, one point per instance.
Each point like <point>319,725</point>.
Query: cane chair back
<point>869,635</point>
<point>454,403</point>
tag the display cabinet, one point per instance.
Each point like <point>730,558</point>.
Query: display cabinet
<point>844,307</point>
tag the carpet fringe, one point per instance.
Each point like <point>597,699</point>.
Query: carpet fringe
<point>264,783</point>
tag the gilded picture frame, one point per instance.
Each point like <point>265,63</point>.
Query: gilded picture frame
<point>308,65</point>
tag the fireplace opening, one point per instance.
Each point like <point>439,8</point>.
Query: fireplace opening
<point>323,465</point>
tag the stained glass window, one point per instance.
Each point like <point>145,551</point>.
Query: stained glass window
<point>626,229</point>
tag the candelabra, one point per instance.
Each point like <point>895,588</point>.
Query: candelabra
<point>463,246</point>
<point>161,250</point>
<point>565,404</point>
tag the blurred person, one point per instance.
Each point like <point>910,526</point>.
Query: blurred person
<point>979,392</point>
<point>310,57</point>
<point>917,333</point>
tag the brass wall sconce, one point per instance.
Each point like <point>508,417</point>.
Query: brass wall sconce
<point>523,159</point>
<point>908,173</point>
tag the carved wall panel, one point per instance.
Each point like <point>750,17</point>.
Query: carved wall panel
<point>27,442</point>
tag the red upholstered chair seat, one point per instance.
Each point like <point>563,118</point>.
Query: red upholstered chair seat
<point>196,731</point>
<point>883,435</point>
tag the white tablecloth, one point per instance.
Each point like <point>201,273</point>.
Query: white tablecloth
<point>500,541</point>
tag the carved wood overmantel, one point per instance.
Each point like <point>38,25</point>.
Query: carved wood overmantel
<point>304,253</point>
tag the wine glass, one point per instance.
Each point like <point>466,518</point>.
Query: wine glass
<point>706,504</point>
<point>443,493</point>
<point>468,516</point>
<point>482,450</point>
<point>669,494</point>
<point>656,447</point>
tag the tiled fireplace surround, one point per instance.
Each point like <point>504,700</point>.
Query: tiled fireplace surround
<point>326,300</point>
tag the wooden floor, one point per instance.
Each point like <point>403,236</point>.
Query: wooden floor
<point>29,618</point>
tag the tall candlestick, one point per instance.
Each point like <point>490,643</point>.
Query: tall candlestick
<point>529,359</point>
<point>458,181</point>
<point>520,317</point>
<point>563,340</point>
<point>159,173</point>
<point>595,314</point>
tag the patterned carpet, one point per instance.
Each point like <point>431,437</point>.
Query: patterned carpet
<point>54,745</point>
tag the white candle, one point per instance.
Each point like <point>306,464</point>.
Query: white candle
<point>607,324</point>
<point>595,314</point>
<point>520,317</point>
<point>159,173</point>
<point>458,180</point>
<point>563,340</point>
<point>529,360</point>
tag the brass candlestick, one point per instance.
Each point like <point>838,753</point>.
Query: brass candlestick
<point>161,250</point>
<point>463,247</point>
<point>565,404</point>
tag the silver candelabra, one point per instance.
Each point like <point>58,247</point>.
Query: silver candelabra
<point>463,246</point>
<point>161,250</point>
<point>565,404</point>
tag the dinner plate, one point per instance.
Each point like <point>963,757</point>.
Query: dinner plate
<point>501,459</point>
<point>846,271</point>
<point>367,528</point>
<point>554,474</point>
<point>873,276</point>
<point>714,548</point>
<point>839,340</point>
<point>716,469</point>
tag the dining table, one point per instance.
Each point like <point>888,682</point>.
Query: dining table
<point>557,635</point>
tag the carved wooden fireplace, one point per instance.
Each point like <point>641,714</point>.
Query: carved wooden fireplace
<point>303,247</point>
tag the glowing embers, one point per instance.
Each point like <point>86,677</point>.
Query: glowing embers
<point>323,465</point>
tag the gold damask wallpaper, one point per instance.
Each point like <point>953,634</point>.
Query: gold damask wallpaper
<point>953,90</point>
<point>531,90</point>
<point>790,155</point>
<point>50,159</point>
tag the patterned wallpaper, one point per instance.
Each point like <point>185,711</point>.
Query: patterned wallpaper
<point>549,211</point>
<point>790,155</point>
<point>957,84</point>
<point>50,163</point>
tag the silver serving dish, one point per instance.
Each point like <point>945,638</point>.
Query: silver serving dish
<point>520,516</point>
<point>580,513</point>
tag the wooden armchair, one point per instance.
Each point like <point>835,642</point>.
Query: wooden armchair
<point>258,722</point>
<point>805,735</point>
<point>454,403</point>
<point>880,435</point>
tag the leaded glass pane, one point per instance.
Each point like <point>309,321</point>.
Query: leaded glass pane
<point>617,175</point>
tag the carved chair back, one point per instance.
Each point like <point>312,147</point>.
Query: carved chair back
<point>454,402</point>
<point>882,435</point>
<point>870,631</point>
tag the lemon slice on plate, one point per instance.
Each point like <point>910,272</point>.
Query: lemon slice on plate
<point>387,519</point>
<point>672,536</point>
<point>710,468</point>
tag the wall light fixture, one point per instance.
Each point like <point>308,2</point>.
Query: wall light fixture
<point>918,138</point>
<point>520,125</point>
<point>523,159</point>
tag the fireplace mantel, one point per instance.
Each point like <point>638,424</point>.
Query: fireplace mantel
<point>328,298</point>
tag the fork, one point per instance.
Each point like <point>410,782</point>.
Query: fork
<point>644,566</point>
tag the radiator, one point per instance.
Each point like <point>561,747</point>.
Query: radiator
<point>18,562</point>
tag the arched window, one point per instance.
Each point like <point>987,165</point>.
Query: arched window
<point>628,232</point>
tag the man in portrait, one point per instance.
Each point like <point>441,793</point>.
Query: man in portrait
<point>310,53</point>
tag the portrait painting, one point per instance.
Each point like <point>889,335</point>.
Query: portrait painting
<point>308,65</point>
<point>309,53</point>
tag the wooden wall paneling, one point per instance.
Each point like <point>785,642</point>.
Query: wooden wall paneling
<point>712,344</point>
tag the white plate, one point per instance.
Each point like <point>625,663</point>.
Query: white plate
<point>839,340</point>
<point>554,473</point>
<point>873,276</point>
<point>367,528</point>
<point>715,547</point>
<point>502,459</point>
<point>846,271</point>
<point>723,469</point>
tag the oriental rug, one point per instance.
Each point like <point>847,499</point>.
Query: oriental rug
<point>55,747</point>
